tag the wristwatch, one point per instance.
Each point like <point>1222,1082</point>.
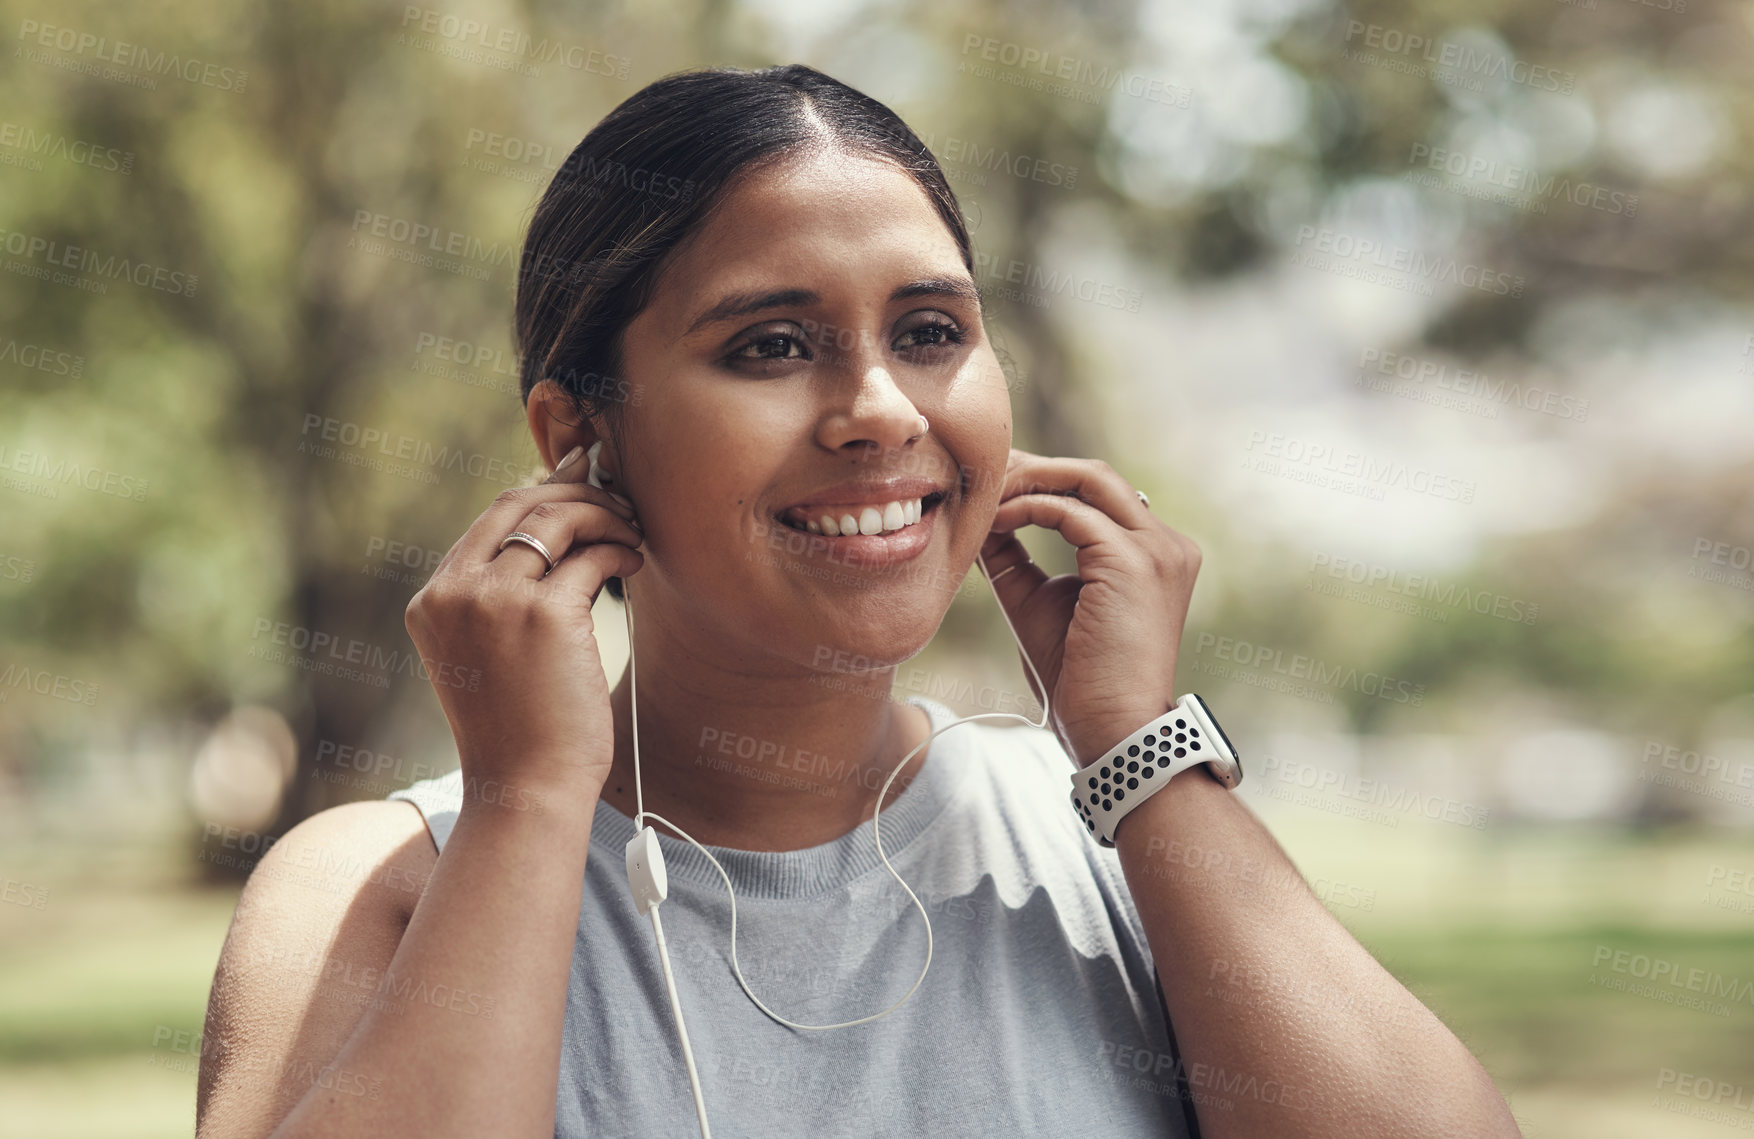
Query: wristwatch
<point>1186,736</point>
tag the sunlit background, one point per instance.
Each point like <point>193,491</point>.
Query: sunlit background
<point>1429,322</point>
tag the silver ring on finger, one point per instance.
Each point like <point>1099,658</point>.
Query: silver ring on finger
<point>1143,499</point>
<point>534,543</point>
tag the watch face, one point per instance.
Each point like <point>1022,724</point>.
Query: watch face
<point>1233,777</point>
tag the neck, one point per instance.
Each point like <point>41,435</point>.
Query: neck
<point>749,760</point>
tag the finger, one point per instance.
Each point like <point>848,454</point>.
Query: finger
<point>1089,480</point>
<point>578,470</point>
<point>570,467</point>
<point>1080,523</point>
<point>560,526</point>
<point>1013,575</point>
<point>480,543</point>
<point>581,574</point>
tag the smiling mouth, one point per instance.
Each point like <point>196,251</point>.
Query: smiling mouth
<point>863,519</point>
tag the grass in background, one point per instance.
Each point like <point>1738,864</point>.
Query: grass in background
<point>1496,931</point>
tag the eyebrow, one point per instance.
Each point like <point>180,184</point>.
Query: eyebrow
<point>743,304</point>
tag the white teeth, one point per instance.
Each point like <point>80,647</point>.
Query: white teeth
<point>883,519</point>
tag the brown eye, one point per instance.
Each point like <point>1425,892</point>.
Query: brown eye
<point>768,344</point>
<point>770,348</point>
<point>929,342</point>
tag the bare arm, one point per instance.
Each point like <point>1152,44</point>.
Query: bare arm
<point>1277,1009</point>
<point>1287,1026</point>
<point>340,1008</point>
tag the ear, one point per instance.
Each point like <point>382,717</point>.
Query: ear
<point>552,416</point>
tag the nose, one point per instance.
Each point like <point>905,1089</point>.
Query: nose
<point>874,414</point>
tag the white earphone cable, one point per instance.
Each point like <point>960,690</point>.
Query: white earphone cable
<point>641,814</point>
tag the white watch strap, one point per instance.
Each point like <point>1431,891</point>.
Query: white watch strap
<point>1126,774</point>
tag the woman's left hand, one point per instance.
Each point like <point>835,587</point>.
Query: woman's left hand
<point>1104,639</point>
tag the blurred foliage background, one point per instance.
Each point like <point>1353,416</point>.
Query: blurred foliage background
<point>1430,322</point>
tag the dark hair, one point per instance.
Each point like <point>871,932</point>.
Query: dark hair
<point>645,178</point>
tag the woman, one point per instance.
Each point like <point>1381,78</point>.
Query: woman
<point>755,290</point>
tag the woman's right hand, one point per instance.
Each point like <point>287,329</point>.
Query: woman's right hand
<point>510,646</point>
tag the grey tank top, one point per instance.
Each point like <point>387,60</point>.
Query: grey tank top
<point>1040,1014</point>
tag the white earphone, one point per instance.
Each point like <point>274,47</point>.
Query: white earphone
<point>595,475</point>
<point>645,859</point>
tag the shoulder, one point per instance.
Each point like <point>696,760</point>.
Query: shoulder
<point>363,862</point>
<point>368,848</point>
<point>341,886</point>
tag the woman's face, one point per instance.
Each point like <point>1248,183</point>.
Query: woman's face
<point>781,368</point>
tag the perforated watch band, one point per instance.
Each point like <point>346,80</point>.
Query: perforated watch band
<point>1187,735</point>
